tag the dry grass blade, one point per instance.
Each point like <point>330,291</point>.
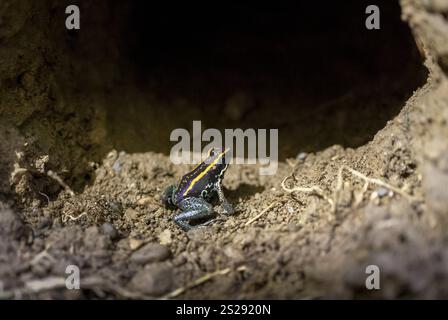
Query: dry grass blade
<point>61,182</point>
<point>311,190</point>
<point>200,281</point>
<point>375,181</point>
<point>262,213</point>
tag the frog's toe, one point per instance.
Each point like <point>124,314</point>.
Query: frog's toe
<point>229,209</point>
<point>194,209</point>
<point>183,224</point>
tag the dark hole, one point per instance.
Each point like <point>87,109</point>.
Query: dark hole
<point>313,71</point>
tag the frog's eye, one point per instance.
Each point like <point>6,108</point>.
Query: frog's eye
<point>212,152</point>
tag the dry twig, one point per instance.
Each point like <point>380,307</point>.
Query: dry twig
<point>200,281</point>
<point>61,182</point>
<point>368,180</point>
<point>311,190</point>
<point>339,185</point>
<point>262,213</point>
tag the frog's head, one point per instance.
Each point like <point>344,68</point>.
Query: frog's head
<point>217,163</point>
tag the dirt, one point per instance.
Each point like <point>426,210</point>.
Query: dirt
<point>369,190</point>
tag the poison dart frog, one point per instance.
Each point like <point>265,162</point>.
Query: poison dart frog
<point>197,190</point>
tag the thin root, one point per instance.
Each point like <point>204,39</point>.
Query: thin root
<point>46,197</point>
<point>61,182</point>
<point>311,190</point>
<point>374,181</point>
<point>339,185</point>
<point>72,218</point>
<point>200,281</point>
<point>262,213</point>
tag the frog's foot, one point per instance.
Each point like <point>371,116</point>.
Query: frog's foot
<point>228,208</point>
<point>193,209</point>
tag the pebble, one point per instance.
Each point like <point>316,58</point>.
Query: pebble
<point>153,280</point>
<point>116,166</point>
<point>381,192</point>
<point>302,156</point>
<point>134,244</point>
<point>152,252</point>
<point>109,230</point>
<point>165,237</point>
<point>145,200</point>
<point>131,214</point>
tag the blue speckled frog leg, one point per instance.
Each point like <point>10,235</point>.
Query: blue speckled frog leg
<point>226,205</point>
<point>167,197</point>
<point>192,209</point>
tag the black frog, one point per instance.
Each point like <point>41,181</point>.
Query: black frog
<point>197,190</point>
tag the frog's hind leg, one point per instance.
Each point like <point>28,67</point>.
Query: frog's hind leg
<point>193,209</point>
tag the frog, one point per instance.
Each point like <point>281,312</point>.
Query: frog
<point>197,190</point>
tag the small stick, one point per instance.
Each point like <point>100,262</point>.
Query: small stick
<point>312,190</point>
<point>261,213</point>
<point>359,199</point>
<point>58,179</point>
<point>378,182</point>
<point>200,281</point>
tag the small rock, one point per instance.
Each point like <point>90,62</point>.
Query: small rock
<point>153,280</point>
<point>116,166</point>
<point>109,230</point>
<point>165,237</point>
<point>152,252</point>
<point>301,156</point>
<point>134,244</point>
<point>145,200</point>
<point>131,214</point>
<point>381,192</point>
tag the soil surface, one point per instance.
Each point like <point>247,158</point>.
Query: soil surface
<point>68,197</point>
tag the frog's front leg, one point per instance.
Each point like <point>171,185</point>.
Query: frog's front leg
<point>226,205</point>
<point>193,209</point>
<point>168,197</point>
